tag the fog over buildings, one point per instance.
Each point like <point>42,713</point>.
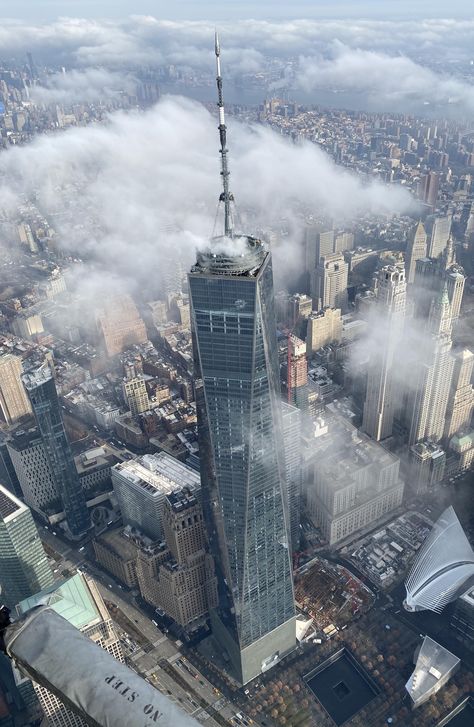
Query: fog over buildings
<point>236,352</point>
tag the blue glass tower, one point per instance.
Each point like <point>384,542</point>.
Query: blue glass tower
<point>241,451</point>
<point>41,389</point>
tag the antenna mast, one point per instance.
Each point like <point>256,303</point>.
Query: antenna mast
<point>226,196</point>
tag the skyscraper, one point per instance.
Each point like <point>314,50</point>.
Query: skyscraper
<point>24,568</point>
<point>381,396</point>
<point>416,249</point>
<point>297,373</point>
<point>431,376</point>
<point>293,470</point>
<point>329,282</point>
<point>429,188</point>
<point>241,449</point>
<point>461,395</point>
<point>14,402</point>
<point>439,235</point>
<point>39,383</point>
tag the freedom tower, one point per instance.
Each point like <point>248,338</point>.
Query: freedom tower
<point>240,441</point>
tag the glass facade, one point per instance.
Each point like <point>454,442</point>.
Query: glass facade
<point>241,446</point>
<point>44,401</point>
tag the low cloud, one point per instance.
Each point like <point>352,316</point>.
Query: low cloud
<point>397,80</point>
<point>129,195</point>
<point>89,85</point>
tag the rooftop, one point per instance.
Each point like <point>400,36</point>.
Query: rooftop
<point>35,377</point>
<point>72,599</point>
<point>9,504</point>
<point>241,255</point>
<point>159,474</point>
<point>434,663</point>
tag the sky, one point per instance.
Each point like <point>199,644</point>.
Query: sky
<point>46,10</point>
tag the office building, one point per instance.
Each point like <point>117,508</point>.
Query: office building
<point>440,232</point>
<point>240,442</point>
<point>14,402</point>
<point>343,241</point>
<point>329,282</point>
<point>181,580</point>
<point>434,667</point>
<point>116,551</point>
<point>461,394</point>
<point>299,308</point>
<point>429,384</point>
<point>388,318</point>
<point>239,419</point>
<point>78,600</point>
<point>297,373</point>
<point>136,395</point>
<point>33,470</point>
<point>416,250</point>
<point>141,486</point>
<point>443,568</point>
<point>455,280</point>
<point>462,620</point>
<point>427,467</point>
<point>24,568</point>
<point>120,325</point>
<point>318,242</point>
<point>28,324</point>
<point>429,189</point>
<point>291,418</point>
<point>39,384</point>
<point>324,327</point>
<point>353,482</point>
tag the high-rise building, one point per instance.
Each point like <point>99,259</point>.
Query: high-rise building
<point>440,232</point>
<point>324,327</point>
<point>141,486</point>
<point>39,384</point>
<point>429,189</point>
<point>455,280</point>
<point>181,580</point>
<point>429,384</point>
<point>136,395</point>
<point>78,600</point>
<point>319,242</point>
<point>443,568</point>
<point>240,441</point>
<point>121,325</point>
<point>293,470</point>
<point>299,307</point>
<point>416,250</point>
<point>382,393</point>
<point>297,373</point>
<point>329,282</point>
<point>427,467</point>
<point>33,470</point>
<point>14,402</point>
<point>24,568</point>
<point>461,394</point>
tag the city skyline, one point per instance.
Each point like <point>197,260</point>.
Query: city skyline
<point>239,426</point>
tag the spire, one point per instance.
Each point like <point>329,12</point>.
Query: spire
<point>440,313</point>
<point>226,196</point>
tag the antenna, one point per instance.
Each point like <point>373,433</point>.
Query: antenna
<point>226,196</point>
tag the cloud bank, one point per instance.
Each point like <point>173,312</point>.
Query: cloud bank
<point>130,193</point>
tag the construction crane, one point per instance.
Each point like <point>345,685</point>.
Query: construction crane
<point>46,648</point>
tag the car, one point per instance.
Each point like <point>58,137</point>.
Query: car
<point>110,585</point>
<point>81,550</point>
<point>154,622</point>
